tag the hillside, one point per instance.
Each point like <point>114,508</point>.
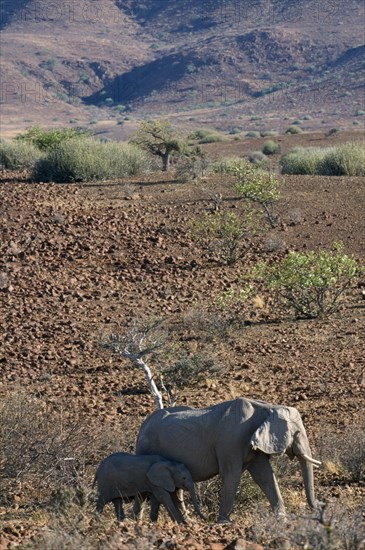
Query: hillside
<point>208,62</point>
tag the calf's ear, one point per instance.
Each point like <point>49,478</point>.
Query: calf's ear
<point>160,475</point>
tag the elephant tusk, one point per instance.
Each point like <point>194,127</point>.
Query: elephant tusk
<point>316,463</point>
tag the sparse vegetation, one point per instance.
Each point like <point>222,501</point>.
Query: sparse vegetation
<point>189,370</point>
<point>18,155</point>
<point>46,139</point>
<point>258,158</point>
<point>347,159</point>
<point>294,130</point>
<point>271,147</point>
<point>223,234</point>
<point>223,165</point>
<point>192,166</point>
<point>259,187</point>
<point>253,134</point>
<point>309,283</point>
<point>209,135</point>
<point>86,159</point>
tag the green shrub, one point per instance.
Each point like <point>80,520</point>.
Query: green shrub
<point>223,233</point>
<point>302,160</point>
<point>257,186</point>
<point>209,135</point>
<point>268,133</point>
<point>18,155</point>
<point>347,159</point>
<point>253,134</point>
<point>310,283</point>
<point>271,147</point>
<point>343,160</point>
<point>223,165</point>
<point>293,130</point>
<point>258,158</point>
<point>86,159</point>
<point>235,131</point>
<point>46,139</point>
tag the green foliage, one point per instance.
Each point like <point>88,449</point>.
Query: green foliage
<point>347,159</point>
<point>18,155</point>
<point>209,135</point>
<point>161,139</point>
<point>293,130</point>
<point>253,134</point>
<point>189,370</point>
<point>223,165</point>
<point>257,186</point>
<point>302,160</point>
<point>46,139</point>
<point>86,159</point>
<point>268,133</point>
<point>271,147</point>
<point>310,283</point>
<point>223,234</point>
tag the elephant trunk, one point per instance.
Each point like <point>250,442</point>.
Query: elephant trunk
<point>307,472</point>
<point>194,500</point>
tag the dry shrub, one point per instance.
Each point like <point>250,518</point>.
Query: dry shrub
<point>346,452</point>
<point>43,450</point>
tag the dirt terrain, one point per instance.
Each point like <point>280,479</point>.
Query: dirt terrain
<point>79,261</point>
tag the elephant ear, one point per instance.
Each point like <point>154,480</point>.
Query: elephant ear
<point>273,436</point>
<point>160,475</point>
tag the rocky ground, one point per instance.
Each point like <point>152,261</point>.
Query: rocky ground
<point>81,261</point>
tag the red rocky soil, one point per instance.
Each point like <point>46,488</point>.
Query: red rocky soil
<point>81,260</point>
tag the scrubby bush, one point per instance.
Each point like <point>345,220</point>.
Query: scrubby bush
<point>189,370</point>
<point>221,166</point>
<point>302,160</point>
<point>257,186</point>
<point>293,130</point>
<point>253,134</point>
<point>87,159</point>
<point>18,155</point>
<point>271,147</point>
<point>192,166</point>
<point>347,159</point>
<point>47,139</point>
<point>223,234</point>
<point>209,135</point>
<point>268,133</point>
<point>259,158</point>
<point>344,160</point>
<point>310,283</point>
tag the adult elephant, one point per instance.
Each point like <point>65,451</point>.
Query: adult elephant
<point>227,439</point>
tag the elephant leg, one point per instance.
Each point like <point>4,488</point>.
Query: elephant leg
<point>164,498</point>
<point>177,499</point>
<point>261,472</point>
<point>99,506</point>
<point>155,508</point>
<point>230,482</point>
<point>138,507</point>
<point>118,507</point>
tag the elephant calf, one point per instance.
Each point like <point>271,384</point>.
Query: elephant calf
<point>123,476</point>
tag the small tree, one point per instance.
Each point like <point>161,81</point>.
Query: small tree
<point>161,139</point>
<point>257,186</point>
<point>135,345</point>
<point>310,283</point>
